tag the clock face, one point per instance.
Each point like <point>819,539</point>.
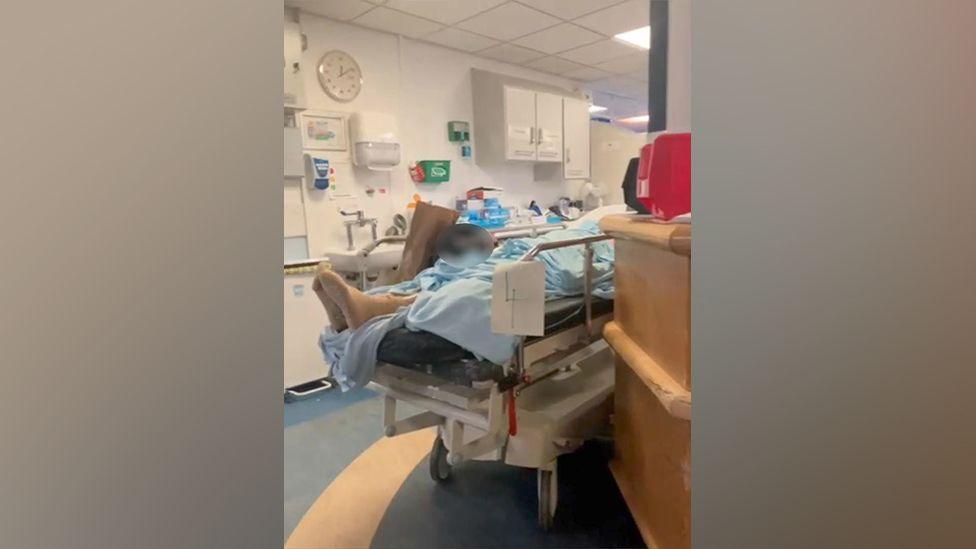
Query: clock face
<point>340,76</point>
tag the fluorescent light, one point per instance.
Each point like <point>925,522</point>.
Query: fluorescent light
<point>638,37</point>
<point>635,119</point>
<point>597,108</point>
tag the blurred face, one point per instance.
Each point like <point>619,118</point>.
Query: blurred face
<point>465,245</point>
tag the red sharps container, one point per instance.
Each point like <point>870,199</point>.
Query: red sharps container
<point>664,175</point>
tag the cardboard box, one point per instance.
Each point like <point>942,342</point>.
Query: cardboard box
<point>481,193</point>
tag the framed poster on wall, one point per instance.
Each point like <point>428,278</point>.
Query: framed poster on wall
<point>323,131</point>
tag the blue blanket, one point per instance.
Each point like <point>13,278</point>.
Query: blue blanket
<point>455,304</point>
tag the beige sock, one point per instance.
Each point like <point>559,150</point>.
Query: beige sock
<point>357,307</point>
<point>332,310</point>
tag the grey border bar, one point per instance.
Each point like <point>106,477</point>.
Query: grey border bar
<point>833,302</point>
<point>657,85</point>
<point>140,304</point>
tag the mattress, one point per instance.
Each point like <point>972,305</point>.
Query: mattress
<point>432,354</point>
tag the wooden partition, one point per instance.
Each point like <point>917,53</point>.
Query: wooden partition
<point>651,337</point>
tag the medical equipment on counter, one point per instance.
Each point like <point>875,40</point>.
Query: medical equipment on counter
<point>565,209</point>
<point>375,144</point>
<point>487,213</point>
<point>555,393</point>
<point>481,193</point>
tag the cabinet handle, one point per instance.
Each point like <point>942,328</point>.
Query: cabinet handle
<point>531,136</point>
<point>540,135</point>
<point>567,155</point>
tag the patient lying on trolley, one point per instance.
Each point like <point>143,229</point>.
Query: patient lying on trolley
<point>448,300</point>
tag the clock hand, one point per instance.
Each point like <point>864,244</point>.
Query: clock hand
<point>341,71</point>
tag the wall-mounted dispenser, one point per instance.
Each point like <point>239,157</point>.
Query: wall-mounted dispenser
<point>318,174</point>
<point>374,141</point>
<point>459,131</point>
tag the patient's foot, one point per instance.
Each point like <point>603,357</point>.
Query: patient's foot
<point>357,307</point>
<point>336,318</point>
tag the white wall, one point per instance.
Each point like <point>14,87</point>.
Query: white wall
<point>424,86</point>
<point>611,149</point>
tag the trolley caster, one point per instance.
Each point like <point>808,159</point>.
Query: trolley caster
<point>440,469</point>
<point>547,497</point>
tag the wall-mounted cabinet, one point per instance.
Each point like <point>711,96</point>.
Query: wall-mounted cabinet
<point>576,137</point>
<point>532,125</point>
<point>521,121</point>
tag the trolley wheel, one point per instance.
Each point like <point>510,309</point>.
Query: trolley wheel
<point>440,469</point>
<point>547,508</point>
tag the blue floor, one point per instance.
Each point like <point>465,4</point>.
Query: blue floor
<point>490,504</point>
<point>485,504</point>
<point>322,436</point>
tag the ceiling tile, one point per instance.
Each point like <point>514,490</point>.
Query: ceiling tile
<point>558,38</point>
<point>510,53</point>
<point>569,9</point>
<point>622,86</point>
<point>553,65</point>
<point>445,11</point>
<point>616,19</point>
<point>594,54</point>
<point>396,22</point>
<point>640,75</point>
<point>460,40</point>
<point>508,21</point>
<point>342,10</point>
<point>628,63</point>
<point>586,74</point>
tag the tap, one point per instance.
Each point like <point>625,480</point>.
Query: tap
<point>360,221</point>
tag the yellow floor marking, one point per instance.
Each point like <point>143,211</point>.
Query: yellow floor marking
<point>347,514</point>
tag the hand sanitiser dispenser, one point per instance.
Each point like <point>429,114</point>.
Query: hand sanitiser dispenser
<point>318,174</point>
<point>374,141</point>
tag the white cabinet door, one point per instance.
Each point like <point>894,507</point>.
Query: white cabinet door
<point>549,127</point>
<point>519,124</point>
<point>576,134</point>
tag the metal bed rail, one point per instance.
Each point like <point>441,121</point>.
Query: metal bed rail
<point>587,243</point>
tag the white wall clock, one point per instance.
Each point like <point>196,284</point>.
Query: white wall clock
<point>340,76</point>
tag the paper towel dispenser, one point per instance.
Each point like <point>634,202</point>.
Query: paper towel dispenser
<point>374,141</point>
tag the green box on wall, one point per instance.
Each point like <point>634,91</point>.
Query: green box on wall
<point>436,171</point>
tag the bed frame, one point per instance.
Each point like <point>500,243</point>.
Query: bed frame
<point>556,393</point>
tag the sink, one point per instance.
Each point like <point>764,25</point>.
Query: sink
<point>384,257</point>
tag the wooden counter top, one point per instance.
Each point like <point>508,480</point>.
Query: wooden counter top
<point>670,236</point>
